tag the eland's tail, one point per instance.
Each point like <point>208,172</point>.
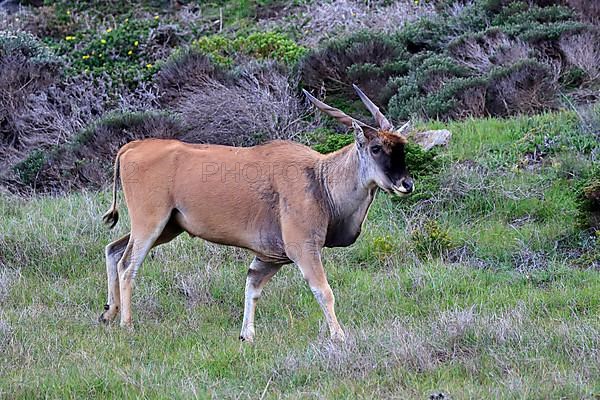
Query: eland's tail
<point>112,215</point>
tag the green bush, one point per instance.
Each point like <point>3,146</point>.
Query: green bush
<point>520,13</point>
<point>422,163</point>
<point>259,45</point>
<point>431,240</point>
<point>28,169</point>
<point>24,48</point>
<point>381,247</point>
<point>588,200</point>
<point>333,142</point>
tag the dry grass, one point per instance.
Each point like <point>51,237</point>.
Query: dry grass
<point>328,19</point>
<point>583,51</point>
<point>254,103</point>
<point>492,50</point>
<point>464,336</point>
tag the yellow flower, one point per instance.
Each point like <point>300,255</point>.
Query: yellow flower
<point>136,43</point>
<point>68,12</point>
<point>130,52</point>
<point>69,37</point>
<point>148,66</point>
<point>85,57</point>
<point>156,17</point>
<point>109,30</point>
<point>103,41</point>
<point>126,20</point>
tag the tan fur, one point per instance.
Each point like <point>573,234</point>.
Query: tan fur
<point>281,214</point>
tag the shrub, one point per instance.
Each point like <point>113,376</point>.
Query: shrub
<point>422,163</point>
<point>246,106</point>
<point>86,160</point>
<point>589,200</point>
<point>242,106</point>
<point>525,87</point>
<point>520,13</point>
<point>333,142</point>
<point>26,63</point>
<point>538,33</point>
<point>259,45</point>
<point>29,168</point>
<point>582,52</point>
<point>345,61</point>
<point>586,10</point>
<point>431,240</point>
<point>314,22</point>
<point>487,57</point>
<point>185,69</point>
<point>437,88</point>
<point>27,67</point>
<point>482,51</point>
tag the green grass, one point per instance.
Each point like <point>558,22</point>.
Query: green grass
<point>503,311</point>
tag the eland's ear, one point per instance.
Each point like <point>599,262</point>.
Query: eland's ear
<point>363,133</point>
<point>359,134</point>
<point>404,129</point>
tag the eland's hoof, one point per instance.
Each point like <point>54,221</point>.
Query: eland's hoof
<point>127,325</point>
<point>102,319</point>
<point>108,315</point>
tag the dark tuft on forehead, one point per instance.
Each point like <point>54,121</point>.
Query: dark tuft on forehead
<point>391,139</point>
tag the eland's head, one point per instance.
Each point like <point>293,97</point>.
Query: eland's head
<point>381,150</point>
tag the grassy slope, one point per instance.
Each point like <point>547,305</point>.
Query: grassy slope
<point>512,318</point>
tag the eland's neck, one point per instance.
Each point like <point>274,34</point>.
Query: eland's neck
<point>348,191</point>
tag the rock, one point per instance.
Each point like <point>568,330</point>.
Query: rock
<point>429,139</point>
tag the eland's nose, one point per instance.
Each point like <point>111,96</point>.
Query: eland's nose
<point>407,184</point>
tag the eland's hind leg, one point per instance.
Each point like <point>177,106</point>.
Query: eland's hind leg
<point>259,274</point>
<point>114,251</point>
<point>137,248</point>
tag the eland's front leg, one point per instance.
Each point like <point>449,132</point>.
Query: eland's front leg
<point>259,274</point>
<point>312,268</point>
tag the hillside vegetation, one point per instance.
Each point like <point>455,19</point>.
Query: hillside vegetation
<point>482,284</point>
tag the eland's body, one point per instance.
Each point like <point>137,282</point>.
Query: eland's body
<point>282,201</point>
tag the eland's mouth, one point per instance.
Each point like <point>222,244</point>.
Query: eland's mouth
<point>400,191</point>
<point>405,187</point>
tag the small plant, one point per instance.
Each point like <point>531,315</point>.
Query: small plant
<point>420,162</point>
<point>383,246</point>
<point>432,240</point>
<point>588,200</point>
<point>380,247</point>
<point>28,169</point>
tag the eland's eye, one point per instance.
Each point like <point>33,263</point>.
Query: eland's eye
<point>376,149</point>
